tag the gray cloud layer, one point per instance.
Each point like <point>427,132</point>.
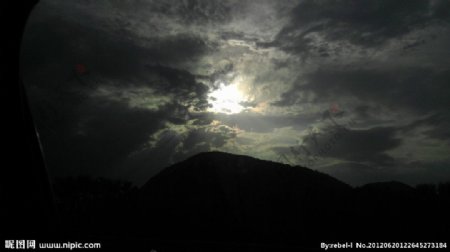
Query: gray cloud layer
<point>144,100</point>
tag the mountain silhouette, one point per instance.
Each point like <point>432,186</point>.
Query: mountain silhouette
<point>219,199</point>
<point>223,196</point>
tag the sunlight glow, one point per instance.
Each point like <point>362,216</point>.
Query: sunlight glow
<point>226,99</point>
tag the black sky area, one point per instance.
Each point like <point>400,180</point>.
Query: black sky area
<point>356,89</point>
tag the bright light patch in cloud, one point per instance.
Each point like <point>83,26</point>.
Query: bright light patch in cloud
<point>226,99</point>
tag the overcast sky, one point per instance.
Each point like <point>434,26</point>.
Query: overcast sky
<point>356,89</point>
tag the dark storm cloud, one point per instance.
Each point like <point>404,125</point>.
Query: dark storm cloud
<point>437,126</point>
<point>352,145</point>
<point>106,53</point>
<point>53,46</point>
<point>408,88</point>
<point>143,102</point>
<point>254,122</point>
<point>258,123</point>
<point>87,133</point>
<point>183,85</point>
<point>210,138</point>
<point>202,119</point>
<point>102,134</point>
<point>194,11</point>
<point>440,132</point>
<point>223,73</point>
<point>362,23</point>
<point>362,111</point>
<point>288,98</point>
<point>441,10</point>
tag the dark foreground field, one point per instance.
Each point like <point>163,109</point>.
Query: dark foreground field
<point>227,202</point>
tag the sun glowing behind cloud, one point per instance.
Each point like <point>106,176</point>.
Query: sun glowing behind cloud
<point>226,99</point>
